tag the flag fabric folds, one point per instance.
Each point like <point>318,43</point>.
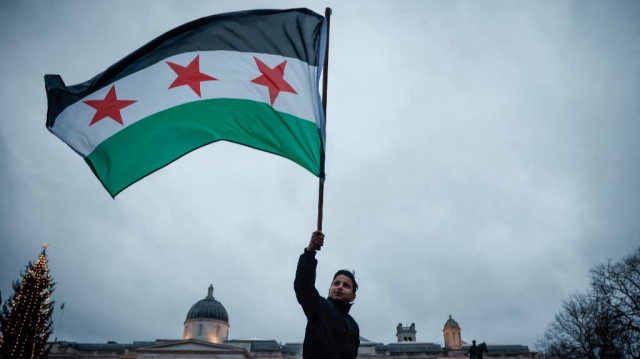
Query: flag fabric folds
<point>249,77</point>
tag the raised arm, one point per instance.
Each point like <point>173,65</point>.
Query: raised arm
<point>305,282</point>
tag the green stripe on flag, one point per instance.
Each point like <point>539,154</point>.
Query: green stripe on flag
<point>155,141</point>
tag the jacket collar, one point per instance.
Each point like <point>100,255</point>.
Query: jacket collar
<point>342,305</point>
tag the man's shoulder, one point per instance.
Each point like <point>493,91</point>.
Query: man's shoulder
<point>353,321</point>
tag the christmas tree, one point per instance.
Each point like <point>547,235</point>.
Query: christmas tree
<point>25,320</point>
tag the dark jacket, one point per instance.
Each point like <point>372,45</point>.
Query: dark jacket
<point>331,332</point>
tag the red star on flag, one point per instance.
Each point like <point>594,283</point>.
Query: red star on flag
<point>190,75</point>
<point>110,106</point>
<point>273,78</point>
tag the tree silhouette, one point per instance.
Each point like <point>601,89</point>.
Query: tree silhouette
<point>602,323</point>
<point>618,285</point>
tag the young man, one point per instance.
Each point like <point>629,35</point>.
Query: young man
<point>331,332</point>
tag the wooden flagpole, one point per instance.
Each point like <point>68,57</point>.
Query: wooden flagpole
<point>325,75</point>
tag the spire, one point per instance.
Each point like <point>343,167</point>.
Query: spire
<point>210,293</point>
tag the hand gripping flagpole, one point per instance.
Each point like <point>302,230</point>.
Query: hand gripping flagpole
<point>325,69</point>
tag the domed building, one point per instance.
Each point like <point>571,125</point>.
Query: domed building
<point>207,320</point>
<point>451,331</point>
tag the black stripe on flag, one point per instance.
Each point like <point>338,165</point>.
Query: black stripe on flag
<point>292,33</point>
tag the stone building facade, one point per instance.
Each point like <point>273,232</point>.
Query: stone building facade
<point>206,331</point>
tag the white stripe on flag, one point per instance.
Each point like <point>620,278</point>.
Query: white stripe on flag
<point>150,88</point>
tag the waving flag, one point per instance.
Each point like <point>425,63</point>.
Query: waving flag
<point>248,77</point>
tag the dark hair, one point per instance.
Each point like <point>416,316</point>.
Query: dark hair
<point>349,274</point>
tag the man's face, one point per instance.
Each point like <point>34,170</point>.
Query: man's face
<point>342,289</point>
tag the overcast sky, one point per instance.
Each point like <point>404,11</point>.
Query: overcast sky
<point>482,157</point>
